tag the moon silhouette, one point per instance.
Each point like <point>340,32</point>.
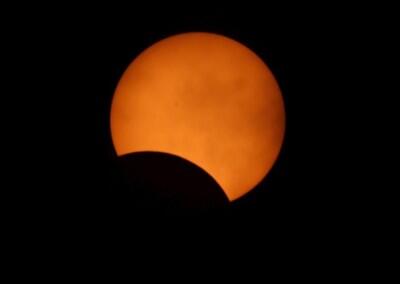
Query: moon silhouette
<point>205,98</point>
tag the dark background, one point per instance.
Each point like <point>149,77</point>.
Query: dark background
<point>317,214</point>
<point>68,63</point>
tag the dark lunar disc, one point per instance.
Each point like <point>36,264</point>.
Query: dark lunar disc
<point>161,181</point>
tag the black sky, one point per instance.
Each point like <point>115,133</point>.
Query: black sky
<point>68,65</point>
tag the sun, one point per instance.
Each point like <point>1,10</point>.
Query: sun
<point>206,98</point>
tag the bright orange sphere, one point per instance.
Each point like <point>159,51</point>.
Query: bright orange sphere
<point>205,98</point>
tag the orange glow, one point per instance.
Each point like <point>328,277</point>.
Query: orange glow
<point>207,99</point>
